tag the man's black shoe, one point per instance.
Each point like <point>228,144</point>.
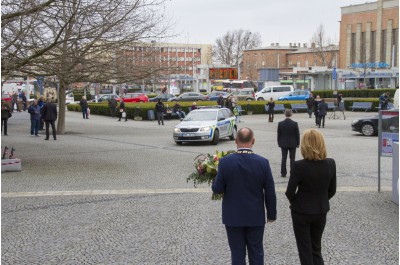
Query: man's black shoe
<point>283,176</point>
<point>46,138</point>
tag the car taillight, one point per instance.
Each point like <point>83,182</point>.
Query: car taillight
<point>254,94</point>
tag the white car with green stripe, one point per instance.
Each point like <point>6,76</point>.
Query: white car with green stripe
<point>206,125</point>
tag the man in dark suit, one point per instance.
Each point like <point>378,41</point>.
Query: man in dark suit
<point>322,110</point>
<point>49,114</point>
<point>246,181</point>
<point>288,140</point>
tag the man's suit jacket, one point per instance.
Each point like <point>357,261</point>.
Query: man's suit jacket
<point>49,112</point>
<point>288,134</point>
<point>248,187</point>
<point>315,182</point>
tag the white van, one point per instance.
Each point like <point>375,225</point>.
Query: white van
<point>274,92</point>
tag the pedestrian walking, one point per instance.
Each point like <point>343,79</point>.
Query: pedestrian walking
<point>271,106</point>
<point>41,104</point>
<point>310,187</point>
<point>220,100</point>
<point>248,188</point>
<point>14,102</point>
<point>5,115</point>
<point>288,140</point>
<point>49,113</point>
<point>112,104</point>
<point>122,110</point>
<point>34,111</point>
<point>23,97</point>
<point>160,109</point>
<point>310,104</point>
<point>322,110</point>
<point>84,106</point>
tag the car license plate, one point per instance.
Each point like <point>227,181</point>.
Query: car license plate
<point>188,134</point>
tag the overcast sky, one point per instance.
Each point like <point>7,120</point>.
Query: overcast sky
<point>278,21</point>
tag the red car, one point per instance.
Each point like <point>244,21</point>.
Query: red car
<point>135,97</point>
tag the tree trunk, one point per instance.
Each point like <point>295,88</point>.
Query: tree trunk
<point>61,109</point>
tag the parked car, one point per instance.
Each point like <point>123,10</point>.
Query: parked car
<point>6,97</point>
<point>369,126</point>
<point>135,97</point>
<point>190,96</point>
<point>296,95</point>
<point>244,94</point>
<point>106,97</point>
<point>215,95</point>
<point>274,92</point>
<point>206,125</point>
<point>163,97</point>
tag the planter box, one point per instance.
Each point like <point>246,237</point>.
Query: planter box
<point>11,165</point>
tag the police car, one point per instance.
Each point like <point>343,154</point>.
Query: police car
<point>206,125</point>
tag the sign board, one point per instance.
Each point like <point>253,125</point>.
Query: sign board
<point>334,73</point>
<point>389,126</point>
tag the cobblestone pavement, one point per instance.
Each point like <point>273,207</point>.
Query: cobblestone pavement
<point>112,192</point>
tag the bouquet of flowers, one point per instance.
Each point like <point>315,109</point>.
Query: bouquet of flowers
<point>206,170</point>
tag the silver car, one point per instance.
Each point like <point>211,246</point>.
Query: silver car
<point>206,125</point>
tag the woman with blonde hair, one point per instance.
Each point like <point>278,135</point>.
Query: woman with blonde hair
<point>311,185</point>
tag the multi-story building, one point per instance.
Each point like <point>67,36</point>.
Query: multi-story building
<point>369,43</point>
<point>367,55</point>
<point>297,63</point>
<point>155,64</point>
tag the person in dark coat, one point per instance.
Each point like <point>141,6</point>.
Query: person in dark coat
<point>23,97</point>
<point>310,187</point>
<point>34,110</point>
<point>248,188</point>
<point>122,109</point>
<point>5,114</point>
<point>84,106</point>
<point>112,104</point>
<point>316,103</point>
<point>310,104</point>
<point>49,113</point>
<point>41,104</point>
<point>160,109</point>
<point>322,110</point>
<point>271,105</point>
<point>288,140</point>
<point>220,100</point>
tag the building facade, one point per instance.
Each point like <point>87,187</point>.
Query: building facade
<point>369,44</point>
<point>298,64</point>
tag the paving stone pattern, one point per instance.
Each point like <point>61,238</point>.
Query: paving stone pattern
<point>102,154</point>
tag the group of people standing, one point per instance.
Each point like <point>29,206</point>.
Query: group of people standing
<point>319,107</point>
<point>43,112</point>
<point>245,180</point>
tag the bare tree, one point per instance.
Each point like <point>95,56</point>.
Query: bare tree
<point>320,41</point>
<point>94,32</point>
<point>229,48</point>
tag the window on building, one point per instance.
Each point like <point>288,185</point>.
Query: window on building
<point>353,48</point>
<point>395,38</point>
<point>363,55</point>
<point>373,46</point>
<point>298,64</point>
<point>198,50</point>
<point>383,46</point>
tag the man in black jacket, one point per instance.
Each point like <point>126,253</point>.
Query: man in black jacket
<point>288,140</point>
<point>49,114</point>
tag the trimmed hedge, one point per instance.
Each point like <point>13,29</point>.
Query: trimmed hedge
<point>256,107</point>
<point>361,93</point>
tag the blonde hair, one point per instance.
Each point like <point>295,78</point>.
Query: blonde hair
<point>313,145</point>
